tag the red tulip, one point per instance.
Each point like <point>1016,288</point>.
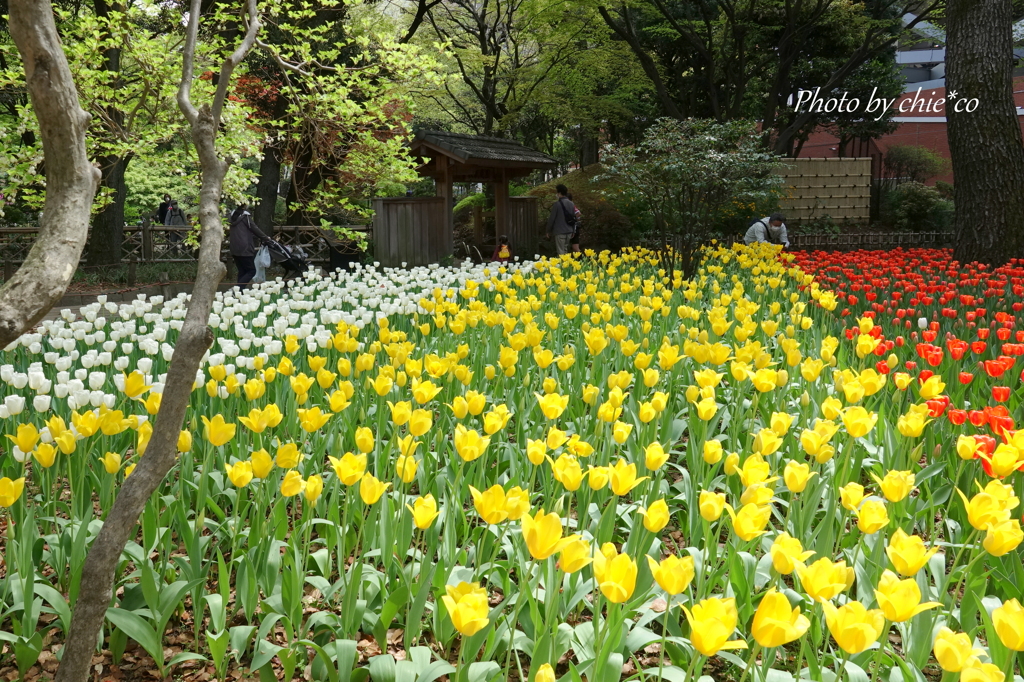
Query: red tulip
<point>957,417</point>
<point>965,377</point>
<point>1001,393</point>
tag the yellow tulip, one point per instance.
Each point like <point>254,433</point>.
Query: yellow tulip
<point>424,391</point>
<point>10,491</point>
<point>706,409</point>
<point>517,503</point>
<point>1008,621</point>
<point>776,622</point>
<point>239,473</point>
<point>400,412</point>
<point>45,454</point>
<point>67,444</point>
<point>152,403</point>
<point>824,580</point>
<point>424,511</point>
<point>597,477</point>
<point>854,627</point>
<point>365,440</point>
<point>314,486</point>
<point>135,384</point>
<point>312,420</point>
<point>872,517</point>
<point>780,423</point>
<point>976,671</point>
<point>615,575</point>
<point>469,444</point>
<point>656,516</point>
<point>712,451</point>
<point>953,650</point>
<point>567,471</point>
<point>787,553</point>
<point>542,534</point>
<point>896,485</point>
<point>467,607</point>
<point>458,406</point>
<point>420,422</point>
<point>338,401</point>
<point>831,408</point>
<point>536,451</point>
<point>623,477</point>
<point>371,489</point>
<point>712,622</point>
<point>292,483</point>
<point>288,456</point>
<point>555,438</point>
<point>545,673</point>
<point>907,553</point>
<point>655,456</point>
<point>754,470</point>
<point>574,555</point>
<point>858,421</point>
<point>405,467</point>
<point>490,504</point>
<point>711,505</point>
<point>766,442</point>
<point>217,431</point>
<point>932,387</point>
<point>851,495</point>
<point>111,462</point>
<point>966,447</point>
<point>750,521</point>
<point>27,435</point>
<point>984,510</point>
<point>1002,538</point>
<point>261,463</point>
<point>552,405</point>
<point>796,475</point>
<point>900,600</point>
<point>672,574</point>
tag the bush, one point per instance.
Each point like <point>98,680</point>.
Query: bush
<point>911,163</point>
<point>914,207</point>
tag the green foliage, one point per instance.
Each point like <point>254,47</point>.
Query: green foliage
<point>149,178</point>
<point>694,177</point>
<point>469,201</point>
<point>911,163</point>
<point>824,224</point>
<point>914,207</point>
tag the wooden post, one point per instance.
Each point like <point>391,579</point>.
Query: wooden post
<point>131,271</point>
<point>147,240</point>
<point>165,285</point>
<point>9,269</point>
<point>501,206</point>
<point>444,189</point>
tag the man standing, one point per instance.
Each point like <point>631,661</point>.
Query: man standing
<point>771,230</point>
<point>562,220</point>
<point>161,211</point>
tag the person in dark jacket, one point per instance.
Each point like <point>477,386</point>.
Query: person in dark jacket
<point>161,211</point>
<point>244,236</point>
<point>562,220</point>
<point>175,217</point>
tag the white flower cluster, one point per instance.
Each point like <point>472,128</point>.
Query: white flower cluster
<point>84,360</point>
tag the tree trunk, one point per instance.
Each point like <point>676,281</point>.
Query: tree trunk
<point>267,187</point>
<point>588,149</point>
<point>306,177</point>
<point>193,341</point>
<point>984,144</point>
<point>71,180</point>
<point>108,225</point>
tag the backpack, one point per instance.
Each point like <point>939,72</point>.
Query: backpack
<point>570,218</point>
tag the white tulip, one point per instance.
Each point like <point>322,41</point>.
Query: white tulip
<point>109,346</point>
<point>60,391</point>
<point>20,456</point>
<point>96,398</point>
<point>14,404</point>
<point>144,365</point>
<point>4,414</point>
<point>105,358</point>
<point>69,345</point>
<point>88,361</point>
<point>50,358</point>
<point>41,403</point>
<point>44,387</point>
<point>121,364</point>
<point>97,379</point>
<point>127,348</point>
<point>19,380</point>
<point>35,348</point>
<point>108,399</point>
<point>922,323</point>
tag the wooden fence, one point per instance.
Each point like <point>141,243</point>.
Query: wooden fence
<point>838,188</point>
<point>159,244</point>
<point>412,231</point>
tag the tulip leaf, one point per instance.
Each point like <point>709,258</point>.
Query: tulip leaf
<point>138,629</point>
<point>431,672</point>
<point>483,672</point>
<point>671,673</point>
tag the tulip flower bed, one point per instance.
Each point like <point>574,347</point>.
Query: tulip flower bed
<point>565,469</point>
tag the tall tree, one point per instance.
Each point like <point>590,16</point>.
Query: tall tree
<point>724,59</point>
<point>984,144</point>
<point>71,178</point>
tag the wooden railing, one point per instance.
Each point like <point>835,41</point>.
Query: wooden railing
<point>161,244</point>
<point>870,241</point>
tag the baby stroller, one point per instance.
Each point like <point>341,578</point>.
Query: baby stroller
<point>291,258</point>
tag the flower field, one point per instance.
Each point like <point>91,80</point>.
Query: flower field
<point>795,468</point>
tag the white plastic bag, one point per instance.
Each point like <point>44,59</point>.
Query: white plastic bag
<point>262,262</point>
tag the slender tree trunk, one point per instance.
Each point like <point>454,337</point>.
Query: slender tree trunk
<point>267,187</point>
<point>108,225</point>
<point>71,180</point>
<point>305,179</point>
<point>984,144</point>
<point>588,149</point>
<point>193,341</point>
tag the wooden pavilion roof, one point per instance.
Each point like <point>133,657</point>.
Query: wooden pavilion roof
<point>476,158</point>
